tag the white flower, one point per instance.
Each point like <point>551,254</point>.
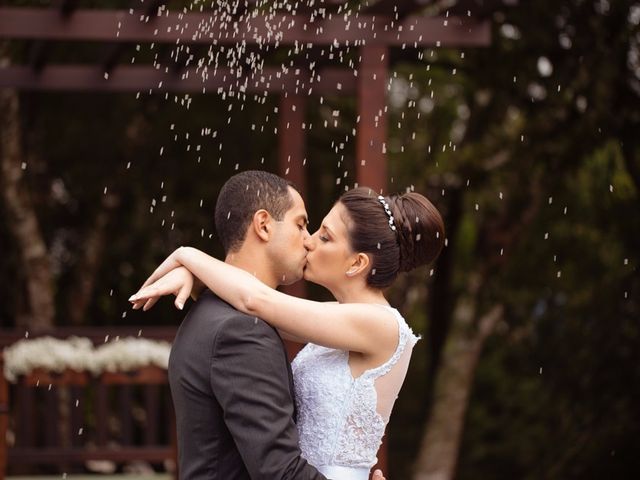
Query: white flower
<point>78,353</point>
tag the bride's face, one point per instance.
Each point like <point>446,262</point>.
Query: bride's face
<point>329,254</point>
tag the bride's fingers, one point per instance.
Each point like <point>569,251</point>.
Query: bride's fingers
<point>183,294</point>
<point>141,291</point>
<point>158,288</point>
<point>145,298</point>
<point>150,303</point>
<point>137,305</point>
<point>138,296</point>
<point>145,294</point>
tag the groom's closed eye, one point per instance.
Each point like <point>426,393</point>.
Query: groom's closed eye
<point>302,221</point>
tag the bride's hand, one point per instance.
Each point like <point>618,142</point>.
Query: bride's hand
<point>378,475</point>
<point>178,282</point>
<point>170,263</point>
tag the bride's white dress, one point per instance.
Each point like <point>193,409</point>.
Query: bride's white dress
<point>341,419</point>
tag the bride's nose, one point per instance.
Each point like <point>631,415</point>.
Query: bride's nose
<point>310,242</point>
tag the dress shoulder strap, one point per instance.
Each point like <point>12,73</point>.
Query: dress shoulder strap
<point>405,337</point>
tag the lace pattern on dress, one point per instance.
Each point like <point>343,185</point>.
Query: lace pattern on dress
<point>338,419</point>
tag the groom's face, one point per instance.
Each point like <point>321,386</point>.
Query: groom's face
<point>287,244</point>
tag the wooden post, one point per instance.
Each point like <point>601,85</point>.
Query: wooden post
<point>291,165</point>
<point>371,141</point>
<point>291,139</point>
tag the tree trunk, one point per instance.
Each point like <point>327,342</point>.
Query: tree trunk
<point>438,454</point>
<point>442,299</point>
<point>22,221</point>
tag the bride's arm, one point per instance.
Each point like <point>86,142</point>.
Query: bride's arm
<point>356,327</point>
<point>183,284</point>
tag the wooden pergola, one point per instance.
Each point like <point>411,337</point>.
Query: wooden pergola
<point>376,33</point>
<point>380,30</point>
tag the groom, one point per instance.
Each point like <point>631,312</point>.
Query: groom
<point>230,378</point>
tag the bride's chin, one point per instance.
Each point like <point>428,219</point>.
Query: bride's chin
<point>309,278</point>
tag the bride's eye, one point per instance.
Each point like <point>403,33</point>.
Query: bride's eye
<point>323,238</point>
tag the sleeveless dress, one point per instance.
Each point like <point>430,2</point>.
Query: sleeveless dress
<point>341,419</point>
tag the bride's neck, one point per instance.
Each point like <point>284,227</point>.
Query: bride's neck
<point>359,294</point>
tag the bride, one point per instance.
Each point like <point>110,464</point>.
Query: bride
<point>350,372</point>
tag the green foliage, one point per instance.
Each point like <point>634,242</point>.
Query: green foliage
<point>554,157</point>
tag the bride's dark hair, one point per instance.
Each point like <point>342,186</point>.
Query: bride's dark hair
<point>417,239</point>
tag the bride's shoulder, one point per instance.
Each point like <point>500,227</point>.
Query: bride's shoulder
<point>380,320</point>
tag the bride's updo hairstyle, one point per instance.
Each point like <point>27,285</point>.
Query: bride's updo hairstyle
<point>417,239</point>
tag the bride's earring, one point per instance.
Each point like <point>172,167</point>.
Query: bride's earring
<point>351,272</point>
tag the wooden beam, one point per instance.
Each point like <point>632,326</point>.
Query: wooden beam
<point>478,9</point>
<point>291,139</point>
<point>54,455</point>
<point>66,7</point>
<point>38,53</point>
<point>371,138</point>
<point>291,157</point>
<point>173,27</point>
<point>144,78</point>
<point>40,49</point>
<point>114,51</point>
<point>397,9</point>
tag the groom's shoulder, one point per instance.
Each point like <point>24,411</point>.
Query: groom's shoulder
<point>208,300</point>
<point>210,306</point>
<point>216,310</point>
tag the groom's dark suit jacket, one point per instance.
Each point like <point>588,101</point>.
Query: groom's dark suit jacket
<point>233,394</point>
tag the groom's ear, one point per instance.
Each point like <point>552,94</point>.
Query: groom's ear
<point>261,224</point>
<point>359,264</point>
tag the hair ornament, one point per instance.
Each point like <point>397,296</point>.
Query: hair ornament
<point>387,210</point>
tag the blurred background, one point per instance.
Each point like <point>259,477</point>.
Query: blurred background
<point>529,366</point>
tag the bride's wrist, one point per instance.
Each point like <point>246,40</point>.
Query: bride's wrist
<point>183,255</point>
<point>178,256</point>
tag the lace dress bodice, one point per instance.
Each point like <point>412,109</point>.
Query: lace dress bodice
<point>341,419</point>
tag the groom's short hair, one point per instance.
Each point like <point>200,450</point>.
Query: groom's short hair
<point>241,197</point>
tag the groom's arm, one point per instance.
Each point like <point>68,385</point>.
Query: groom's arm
<point>250,380</point>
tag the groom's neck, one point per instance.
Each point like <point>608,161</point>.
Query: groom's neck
<point>255,262</point>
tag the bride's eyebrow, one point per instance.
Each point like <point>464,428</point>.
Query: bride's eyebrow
<point>324,225</point>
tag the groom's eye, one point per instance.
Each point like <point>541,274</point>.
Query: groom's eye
<point>323,238</point>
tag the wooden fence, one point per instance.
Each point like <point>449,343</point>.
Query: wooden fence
<point>54,423</point>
